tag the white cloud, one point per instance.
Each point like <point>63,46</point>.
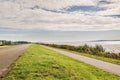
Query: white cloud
<point>29,14</point>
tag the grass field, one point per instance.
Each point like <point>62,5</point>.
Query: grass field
<point>39,63</point>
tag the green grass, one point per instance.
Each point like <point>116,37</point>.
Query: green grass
<point>4,47</point>
<point>7,46</point>
<point>114,61</point>
<point>39,63</point>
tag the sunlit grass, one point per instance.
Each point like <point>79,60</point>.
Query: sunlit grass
<point>39,63</point>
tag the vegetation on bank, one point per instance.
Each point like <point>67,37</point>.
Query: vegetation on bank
<point>4,42</point>
<point>39,63</point>
<point>98,50</point>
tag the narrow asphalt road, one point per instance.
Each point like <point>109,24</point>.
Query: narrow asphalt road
<point>106,66</point>
<point>9,56</point>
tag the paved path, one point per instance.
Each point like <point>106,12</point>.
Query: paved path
<point>8,56</point>
<point>109,67</point>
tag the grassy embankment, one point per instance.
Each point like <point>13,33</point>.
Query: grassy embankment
<point>95,53</point>
<point>39,63</point>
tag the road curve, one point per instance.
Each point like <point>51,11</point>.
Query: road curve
<point>106,66</point>
<point>8,56</point>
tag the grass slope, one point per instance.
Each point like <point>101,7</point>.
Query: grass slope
<point>39,63</point>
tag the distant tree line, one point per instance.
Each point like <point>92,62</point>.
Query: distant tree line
<point>5,42</point>
<point>98,50</point>
<point>22,42</point>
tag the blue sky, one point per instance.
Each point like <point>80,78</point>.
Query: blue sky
<point>66,20</point>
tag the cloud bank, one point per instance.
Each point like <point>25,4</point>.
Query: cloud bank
<point>64,15</point>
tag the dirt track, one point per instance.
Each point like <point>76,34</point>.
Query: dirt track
<point>106,66</point>
<point>8,56</point>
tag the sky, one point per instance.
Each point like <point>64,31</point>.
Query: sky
<point>59,20</point>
